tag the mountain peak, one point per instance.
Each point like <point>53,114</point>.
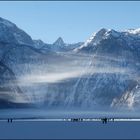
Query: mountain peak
<point>96,37</point>
<point>102,31</point>
<point>59,42</point>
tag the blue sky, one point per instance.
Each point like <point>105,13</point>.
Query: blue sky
<point>73,21</point>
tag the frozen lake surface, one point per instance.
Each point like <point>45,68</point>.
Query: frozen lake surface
<point>69,130</point>
<point>63,130</point>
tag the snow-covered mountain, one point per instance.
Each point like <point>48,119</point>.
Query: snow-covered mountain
<point>27,59</point>
<point>101,73</point>
<point>131,37</point>
<point>115,55</point>
<point>109,73</point>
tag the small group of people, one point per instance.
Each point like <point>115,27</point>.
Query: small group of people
<point>76,119</point>
<point>105,120</point>
<point>10,120</point>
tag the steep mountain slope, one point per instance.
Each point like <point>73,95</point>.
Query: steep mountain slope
<point>114,65</point>
<point>10,93</point>
<point>18,53</point>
